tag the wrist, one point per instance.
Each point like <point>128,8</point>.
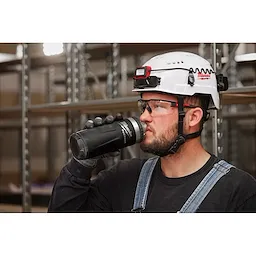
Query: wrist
<point>79,169</point>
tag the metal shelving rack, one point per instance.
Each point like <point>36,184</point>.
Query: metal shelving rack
<point>25,161</point>
<point>76,106</point>
<point>217,114</point>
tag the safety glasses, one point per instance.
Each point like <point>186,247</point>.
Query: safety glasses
<point>158,106</point>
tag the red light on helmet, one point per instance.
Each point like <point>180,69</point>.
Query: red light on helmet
<point>142,72</point>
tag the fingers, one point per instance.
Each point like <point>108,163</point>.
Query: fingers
<point>89,124</point>
<point>99,121</point>
<point>109,119</point>
<point>119,117</point>
<point>93,123</point>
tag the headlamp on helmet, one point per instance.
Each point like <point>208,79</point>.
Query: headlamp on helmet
<point>142,78</point>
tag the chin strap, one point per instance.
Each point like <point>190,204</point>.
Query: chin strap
<point>181,138</point>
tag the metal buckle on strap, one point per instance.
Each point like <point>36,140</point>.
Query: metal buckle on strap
<point>137,210</point>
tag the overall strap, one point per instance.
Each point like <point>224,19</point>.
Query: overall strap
<point>141,193</point>
<point>219,169</point>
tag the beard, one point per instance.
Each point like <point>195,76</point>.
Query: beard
<point>160,146</point>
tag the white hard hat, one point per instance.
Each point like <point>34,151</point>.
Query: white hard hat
<point>180,73</point>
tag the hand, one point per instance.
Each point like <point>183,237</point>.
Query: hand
<point>98,162</point>
<point>99,121</point>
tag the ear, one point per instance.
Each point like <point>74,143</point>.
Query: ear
<point>193,117</point>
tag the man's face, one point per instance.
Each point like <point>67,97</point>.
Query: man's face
<point>162,122</point>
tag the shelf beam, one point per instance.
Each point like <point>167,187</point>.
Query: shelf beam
<point>245,95</point>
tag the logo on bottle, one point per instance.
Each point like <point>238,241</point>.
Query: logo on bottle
<point>126,131</point>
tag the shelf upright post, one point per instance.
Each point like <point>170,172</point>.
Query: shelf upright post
<point>83,76</point>
<point>134,150</point>
<point>82,68</point>
<point>232,74</point>
<point>113,79</point>
<point>68,54</point>
<point>50,73</point>
<point>75,70</point>
<point>203,51</point>
<point>115,69</point>
<point>25,129</point>
<point>72,82</point>
<point>113,66</point>
<point>109,82</point>
<point>217,114</point>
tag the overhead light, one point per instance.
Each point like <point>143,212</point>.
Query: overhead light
<point>53,49</point>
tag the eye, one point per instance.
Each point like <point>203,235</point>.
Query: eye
<point>154,103</point>
<point>159,105</point>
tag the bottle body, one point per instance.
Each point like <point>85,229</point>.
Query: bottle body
<point>90,143</point>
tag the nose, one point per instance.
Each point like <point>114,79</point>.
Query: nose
<point>145,116</point>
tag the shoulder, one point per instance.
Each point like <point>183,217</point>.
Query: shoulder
<point>244,189</point>
<point>241,177</point>
<point>241,185</point>
<point>237,176</point>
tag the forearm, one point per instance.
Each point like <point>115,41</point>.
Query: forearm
<point>74,191</point>
<point>70,191</point>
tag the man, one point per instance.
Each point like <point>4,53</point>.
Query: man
<point>176,89</point>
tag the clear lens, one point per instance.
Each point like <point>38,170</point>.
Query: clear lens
<point>142,106</point>
<point>155,107</point>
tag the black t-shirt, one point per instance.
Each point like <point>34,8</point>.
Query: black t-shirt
<point>113,190</point>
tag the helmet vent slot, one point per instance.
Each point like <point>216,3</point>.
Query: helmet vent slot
<point>176,62</point>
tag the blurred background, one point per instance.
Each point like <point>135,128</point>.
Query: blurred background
<point>47,91</point>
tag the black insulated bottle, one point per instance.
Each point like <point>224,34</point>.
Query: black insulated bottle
<point>107,138</point>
